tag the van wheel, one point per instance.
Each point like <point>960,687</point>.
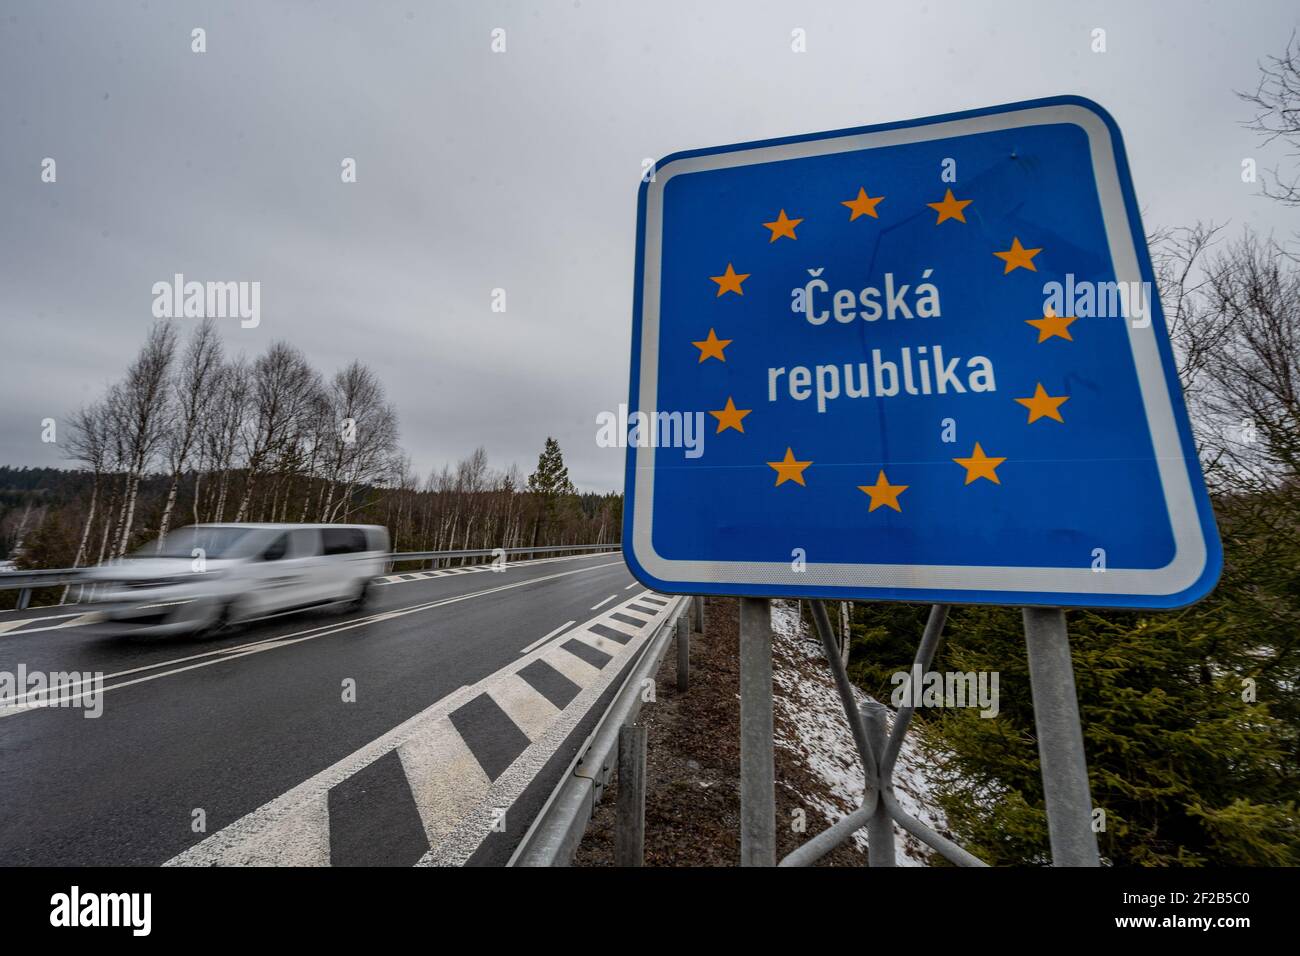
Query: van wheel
<point>223,623</point>
<point>360,600</point>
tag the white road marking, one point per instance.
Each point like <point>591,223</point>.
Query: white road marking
<point>466,838</point>
<point>602,644</point>
<point>531,712</point>
<point>631,630</point>
<point>452,793</point>
<point>277,824</point>
<point>234,653</point>
<point>446,778</point>
<point>631,586</point>
<point>606,601</point>
<point>305,838</point>
<point>78,620</point>
<point>46,617</point>
<point>570,665</point>
<point>546,637</point>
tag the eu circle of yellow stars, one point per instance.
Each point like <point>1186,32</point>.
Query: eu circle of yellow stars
<point>790,469</point>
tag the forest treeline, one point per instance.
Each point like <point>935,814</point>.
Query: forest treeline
<point>190,435</point>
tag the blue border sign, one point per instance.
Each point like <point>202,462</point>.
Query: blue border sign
<point>923,361</point>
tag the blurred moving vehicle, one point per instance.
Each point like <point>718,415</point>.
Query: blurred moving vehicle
<point>205,577</point>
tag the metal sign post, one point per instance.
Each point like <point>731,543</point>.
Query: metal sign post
<point>757,762</point>
<point>1060,739</point>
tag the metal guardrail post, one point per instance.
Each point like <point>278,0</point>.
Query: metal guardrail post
<point>629,826</point>
<point>757,761</point>
<point>697,612</point>
<point>683,655</point>
<point>24,598</point>
<point>880,827</point>
<point>1060,739</point>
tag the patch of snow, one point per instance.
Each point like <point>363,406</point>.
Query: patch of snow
<point>810,724</point>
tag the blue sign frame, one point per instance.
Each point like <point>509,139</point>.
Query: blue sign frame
<point>1110,511</point>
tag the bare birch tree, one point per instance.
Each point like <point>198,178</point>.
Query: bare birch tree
<point>222,430</point>
<point>144,413</point>
<point>364,441</point>
<point>282,391</point>
<point>192,400</point>
<point>90,443</point>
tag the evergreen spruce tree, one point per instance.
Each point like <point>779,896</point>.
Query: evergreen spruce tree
<point>550,487</point>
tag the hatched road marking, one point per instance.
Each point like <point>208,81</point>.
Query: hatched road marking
<point>463,760</point>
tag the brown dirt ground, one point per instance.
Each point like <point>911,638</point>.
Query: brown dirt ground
<point>693,766</point>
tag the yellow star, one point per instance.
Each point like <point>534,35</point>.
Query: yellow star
<point>883,493</point>
<point>788,469</point>
<point>782,227</point>
<point>1043,405</point>
<point>980,465</point>
<point>863,205</point>
<point>1052,324</point>
<point>729,281</point>
<point>1018,257</point>
<point>712,347</point>
<point>950,208</point>
<point>730,417</point>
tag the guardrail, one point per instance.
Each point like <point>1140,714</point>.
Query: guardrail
<point>25,582</point>
<point>559,826</point>
<point>404,556</point>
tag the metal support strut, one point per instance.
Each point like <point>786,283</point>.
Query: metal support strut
<point>879,810</point>
<point>1056,717</point>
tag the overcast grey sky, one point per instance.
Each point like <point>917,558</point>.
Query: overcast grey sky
<point>518,170</point>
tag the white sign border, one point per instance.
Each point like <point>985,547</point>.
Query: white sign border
<point>1190,552</point>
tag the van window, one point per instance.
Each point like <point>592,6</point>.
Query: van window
<point>277,548</point>
<point>342,540</point>
<point>306,542</point>
<point>214,541</point>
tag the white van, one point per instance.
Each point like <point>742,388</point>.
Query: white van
<point>205,577</point>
